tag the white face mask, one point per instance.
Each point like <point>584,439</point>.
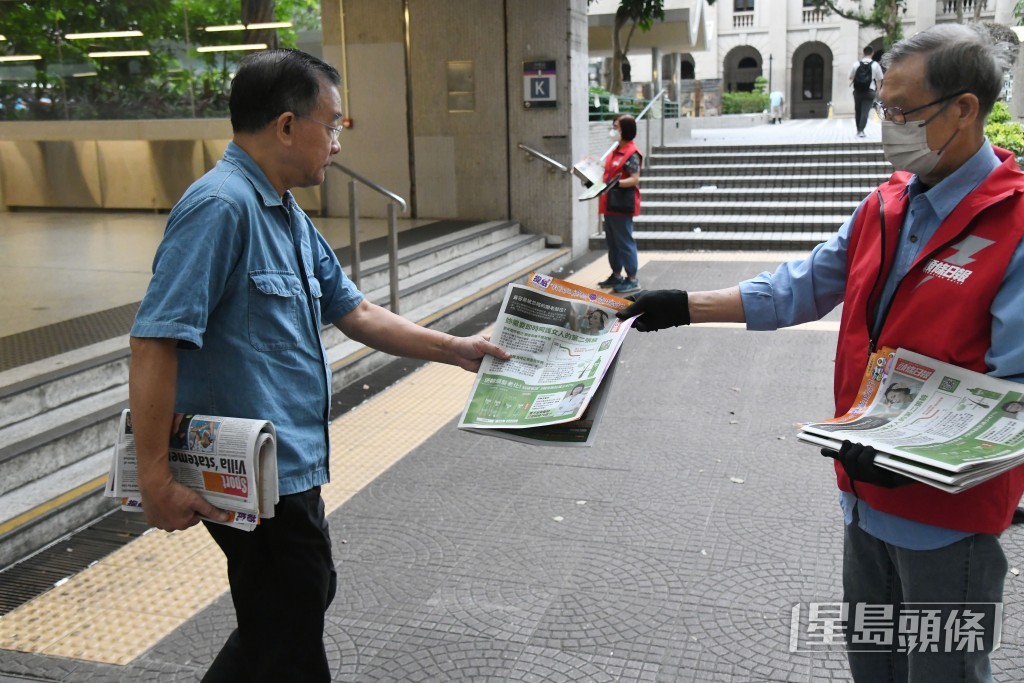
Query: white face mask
<point>614,134</point>
<point>906,147</point>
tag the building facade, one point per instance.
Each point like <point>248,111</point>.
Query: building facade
<point>808,53</point>
<point>803,51</point>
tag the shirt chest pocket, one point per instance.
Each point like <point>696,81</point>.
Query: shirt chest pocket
<point>276,303</point>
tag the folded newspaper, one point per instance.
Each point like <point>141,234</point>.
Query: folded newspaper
<point>563,339</point>
<point>937,423</point>
<point>231,462</point>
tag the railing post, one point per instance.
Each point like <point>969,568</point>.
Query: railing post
<point>647,151</point>
<point>393,254</point>
<point>664,113</point>
<point>353,230</point>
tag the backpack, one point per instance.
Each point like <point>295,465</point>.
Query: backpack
<point>863,76</point>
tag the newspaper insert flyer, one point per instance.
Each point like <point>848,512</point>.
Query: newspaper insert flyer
<point>563,339</point>
<point>934,422</point>
<point>231,462</point>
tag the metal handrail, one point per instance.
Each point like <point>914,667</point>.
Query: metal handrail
<point>544,157</point>
<point>647,149</point>
<point>353,218</point>
<point>650,104</point>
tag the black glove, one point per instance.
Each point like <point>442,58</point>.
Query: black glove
<point>658,309</point>
<point>859,463</point>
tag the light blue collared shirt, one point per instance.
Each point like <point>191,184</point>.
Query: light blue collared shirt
<point>243,280</point>
<point>807,289</point>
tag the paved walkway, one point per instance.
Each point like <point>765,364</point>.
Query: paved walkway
<point>676,549</point>
<point>682,547</point>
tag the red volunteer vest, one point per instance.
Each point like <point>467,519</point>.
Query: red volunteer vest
<point>940,309</point>
<point>612,165</point>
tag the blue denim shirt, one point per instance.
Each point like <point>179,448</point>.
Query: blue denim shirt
<point>243,281</point>
<point>807,289</point>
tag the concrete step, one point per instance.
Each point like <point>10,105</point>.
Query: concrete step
<point>820,179</point>
<point>416,290</point>
<point>740,209</point>
<point>769,148</point>
<point>661,192</point>
<point>28,391</point>
<point>64,411</point>
<point>740,223</point>
<point>49,441</point>
<point>772,168</point>
<point>711,240</point>
<point>430,254</point>
<point>812,156</point>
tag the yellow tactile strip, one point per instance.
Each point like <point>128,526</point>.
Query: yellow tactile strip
<point>115,610</point>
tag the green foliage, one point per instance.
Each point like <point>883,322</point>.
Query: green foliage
<point>173,81</point>
<point>884,15</point>
<point>760,84</point>
<point>1002,131</point>
<point>1007,135</point>
<point>744,102</point>
<point>627,105</point>
<point>1000,113</point>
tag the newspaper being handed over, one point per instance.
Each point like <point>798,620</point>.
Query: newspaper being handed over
<point>937,423</point>
<point>563,339</point>
<point>231,462</point>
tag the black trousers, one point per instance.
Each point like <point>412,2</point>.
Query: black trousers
<point>862,102</point>
<point>282,580</point>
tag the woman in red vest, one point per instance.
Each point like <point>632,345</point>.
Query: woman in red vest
<point>620,204</point>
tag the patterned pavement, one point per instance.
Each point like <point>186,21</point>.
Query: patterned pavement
<point>682,547</point>
<point>675,549</point>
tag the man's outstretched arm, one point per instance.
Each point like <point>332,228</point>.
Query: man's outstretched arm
<point>662,308</point>
<point>381,329</point>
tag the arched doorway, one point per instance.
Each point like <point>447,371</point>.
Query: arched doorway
<point>741,66</point>
<point>811,81</point>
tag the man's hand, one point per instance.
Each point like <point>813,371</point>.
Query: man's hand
<point>658,309</point>
<point>467,352</point>
<point>171,506</point>
<point>859,463</point>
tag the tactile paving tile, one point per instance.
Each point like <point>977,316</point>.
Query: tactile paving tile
<point>44,342</point>
<point>115,610</point>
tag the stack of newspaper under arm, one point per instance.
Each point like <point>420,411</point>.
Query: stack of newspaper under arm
<point>563,339</point>
<point>231,462</point>
<point>937,423</point>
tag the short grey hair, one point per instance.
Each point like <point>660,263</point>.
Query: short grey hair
<point>958,57</point>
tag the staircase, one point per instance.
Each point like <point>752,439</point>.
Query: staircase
<point>772,197</point>
<point>58,415</point>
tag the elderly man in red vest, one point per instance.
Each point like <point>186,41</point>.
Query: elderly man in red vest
<point>954,199</point>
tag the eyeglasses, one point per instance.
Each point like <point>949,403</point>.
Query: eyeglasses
<point>899,117</point>
<point>335,132</point>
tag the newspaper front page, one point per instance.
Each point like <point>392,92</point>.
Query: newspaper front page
<point>563,339</point>
<point>231,462</point>
<point>934,422</point>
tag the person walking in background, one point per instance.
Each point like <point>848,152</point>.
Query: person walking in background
<point>620,204</point>
<point>236,331</point>
<point>866,79</point>
<point>776,101</point>
<point>931,261</point>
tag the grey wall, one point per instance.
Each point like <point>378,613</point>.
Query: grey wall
<point>465,164</point>
<point>546,202</point>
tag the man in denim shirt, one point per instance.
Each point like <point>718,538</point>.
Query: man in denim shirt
<point>955,200</point>
<point>230,325</point>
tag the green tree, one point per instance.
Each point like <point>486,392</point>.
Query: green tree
<point>885,15</point>
<point>172,81</point>
<point>637,14</point>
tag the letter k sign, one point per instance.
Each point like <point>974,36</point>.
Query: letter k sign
<point>539,87</point>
